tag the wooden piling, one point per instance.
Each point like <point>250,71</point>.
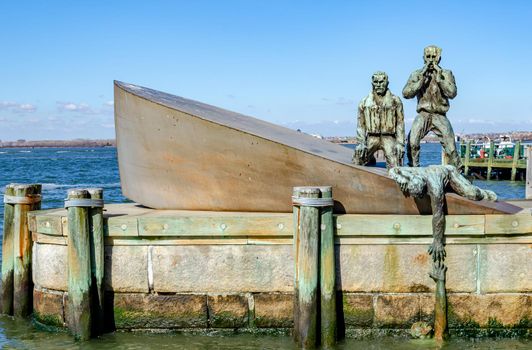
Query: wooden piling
<point>440,310</point>
<point>96,225</point>
<point>528,192</point>
<point>467,157</point>
<point>515,159</point>
<point>79,266</point>
<point>8,254</point>
<point>490,160</point>
<point>307,237</point>
<point>296,218</point>
<point>27,198</point>
<point>327,273</point>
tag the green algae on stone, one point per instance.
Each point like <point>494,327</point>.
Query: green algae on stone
<point>142,319</point>
<point>48,320</point>
<point>227,319</point>
<point>358,310</point>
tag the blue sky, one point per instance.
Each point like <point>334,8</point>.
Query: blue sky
<point>302,64</point>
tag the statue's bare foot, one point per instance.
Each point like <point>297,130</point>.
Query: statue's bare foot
<point>437,250</point>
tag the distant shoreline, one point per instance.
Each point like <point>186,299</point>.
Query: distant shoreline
<point>58,143</point>
<point>431,138</point>
<point>515,135</point>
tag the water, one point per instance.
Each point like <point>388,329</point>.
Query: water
<point>17,334</point>
<point>59,169</point>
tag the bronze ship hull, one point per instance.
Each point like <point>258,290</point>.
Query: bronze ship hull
<point>176,153</point>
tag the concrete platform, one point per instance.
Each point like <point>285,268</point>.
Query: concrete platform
<point>171,269</point>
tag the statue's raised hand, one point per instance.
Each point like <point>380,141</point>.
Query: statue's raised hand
<point>437,250</point>
<point>438,272</point>
<point>488,195</point>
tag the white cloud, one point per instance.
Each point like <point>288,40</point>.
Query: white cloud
<point>74,107</point>
<point>7,104</point>
<point>109,103</point>
<point>18,107</point>
<point>27,107</point>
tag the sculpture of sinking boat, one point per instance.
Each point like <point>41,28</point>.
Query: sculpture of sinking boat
<point>176,153</point>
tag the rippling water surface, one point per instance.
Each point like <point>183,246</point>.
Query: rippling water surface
<point>17,334</point>
<point>59,169</point>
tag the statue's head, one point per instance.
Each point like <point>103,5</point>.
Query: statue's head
<point>410,183</point>
<point>432,55</point>
<point>416,186</point>
<point>379,81</point>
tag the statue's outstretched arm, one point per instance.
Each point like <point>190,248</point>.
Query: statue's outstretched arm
<point>447,83</point>
<point>466,189</point>
<point>437,201</point>
<point>413,85</point>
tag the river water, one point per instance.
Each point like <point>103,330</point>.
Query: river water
<point>59,169</point>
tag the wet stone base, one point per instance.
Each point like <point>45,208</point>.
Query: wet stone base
<point>360,315</point>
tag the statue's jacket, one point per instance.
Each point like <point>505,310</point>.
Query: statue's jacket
<point>380,118</point>
<point>432,97</point>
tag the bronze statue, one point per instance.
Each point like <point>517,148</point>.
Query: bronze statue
<point>433,87</point>
<point>380,124</point>
<point>435,180</point>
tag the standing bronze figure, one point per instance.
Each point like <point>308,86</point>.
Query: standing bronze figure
<point>380,124</point>
<point>433,87</point>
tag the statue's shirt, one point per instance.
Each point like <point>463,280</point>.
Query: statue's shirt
<point>432,97</point>
<point>380,116</point>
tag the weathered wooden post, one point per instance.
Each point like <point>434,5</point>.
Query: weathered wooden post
<point>96,225</point>
<point>467,156</point>
<point>17,285</point>
<point>327,271</point>
<point>490,160</point>
<point>515,159</point>
<point>306,290</point>
<point>528,194</point>
<point>439,271</point>
<point>79,264</point>
<point>8,252</point>
<point>27,198</point>
<point>307,260</point>
<point>296,218</point>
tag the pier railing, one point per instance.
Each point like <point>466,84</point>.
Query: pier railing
<point>479,157</point>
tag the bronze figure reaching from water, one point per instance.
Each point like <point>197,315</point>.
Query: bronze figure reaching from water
<point>434,181</point>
